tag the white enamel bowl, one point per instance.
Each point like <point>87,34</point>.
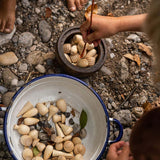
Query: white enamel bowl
<point>78,94</point>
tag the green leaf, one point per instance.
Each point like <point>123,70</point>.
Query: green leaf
<point>83,119</point>
<point>35,151</point>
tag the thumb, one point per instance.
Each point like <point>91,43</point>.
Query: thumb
<point>125,152</point>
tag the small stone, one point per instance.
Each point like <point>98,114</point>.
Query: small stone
<point>8,58</point>
<point>76,128</point>
<point>8,76</point>
<point>112,55</point>
<point>3,89</point>
<point>83,133</point>
<point>26,39</point>
<point>105,70</point>
<point>20,83</point>
<point>45,31</point>
<point>124,116</point>
<point>72,15</point>
<point>14,82</point>
<point>33,48</point>
<point>2,113</point>
<point>15,39</point>
<point>134,38</point>
<point>37,10</point>
<point>67,114</point>
<point>109,106</point>
<point>1,121</point>
<point>25,3</point>
<point>23,67</point>
<point>71,122</point>
<point>138,111</point>
<point>19,21</point>
<point>5,38</point>
<point>124,69</point>
<point>114,105</point>
<point>6,98</point>
<point>40,68</point>
<point>49,62</point>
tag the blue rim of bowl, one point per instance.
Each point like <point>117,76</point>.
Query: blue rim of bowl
<point>56,75</point>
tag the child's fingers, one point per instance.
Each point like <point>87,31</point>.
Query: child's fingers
<point>125,152</point>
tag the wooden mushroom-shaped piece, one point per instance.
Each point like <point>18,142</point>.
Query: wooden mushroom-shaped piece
<point>34,134</point>
<point>27,154</point>
<point>60,153</point>
<point>42,109</point>
<point>37,158</point>
<point>61,104</point>
<point>40,146</point>
<point>61,158</point>
<point>78,157</point>
<point>30,121</point>
<point>66,129</point>
<point>48,152</point>
<point>52,111</point>
<point>67,138</point>
<point>76,140</point>
<point>82,63</point>
<point>68,146</point>
<point>32,112</point>
<point>58,139</point>
<point>35,141</point>
<point>77,38</point>
<point>22,129</point>
<point>59,146</point>
<point>79,149</point>
<point>59,131</point>
<point>63,118</point>
<point>25,108</point>
<point>26,140</point>
<point>56,118</point>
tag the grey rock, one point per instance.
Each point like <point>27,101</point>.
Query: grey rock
<point>124,69</point>
<point>5,38</point>
<point>105,70</point>
<point>15,39</point>
<point>19,21</point>
<point>6,98</point>
<point>23,67</point>
<point>112,55</point>
<point>20,83</point>
<point>8,76</point>
<point>44,31</point>
<point>109,40</point>
<point>124,116</point>
<point>25,3</point>
<point>26,39</point>
<point>114,105</point>
<point>134,38</point>
<point>126,134</point>
<point>3,89</point>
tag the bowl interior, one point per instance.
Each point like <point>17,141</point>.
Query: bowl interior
<point>51,88</point>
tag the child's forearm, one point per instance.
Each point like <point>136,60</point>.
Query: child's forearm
<point>131,23</point>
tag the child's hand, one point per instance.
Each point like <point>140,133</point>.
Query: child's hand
<point>119,151</point>
<point>102,27</point>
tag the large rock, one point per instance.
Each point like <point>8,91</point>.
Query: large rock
<point>5,38</point>
<point>6,98</point>
<point>8,58</point>
<point>8,76</point>
<point>124,116</point>
<point>26,39</point>
<point>45,31</point>
<point>38,57</point>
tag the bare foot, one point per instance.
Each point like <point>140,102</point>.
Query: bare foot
<point>7,15</point>
<point>76,4</point>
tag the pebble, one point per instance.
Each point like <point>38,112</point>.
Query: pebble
<point>112,55</point>
<point>23,67</point>
<point>20,83</point>
<point>109,40</point>
<point>124,69</point>
<point>134,38</point>
<point>124,116</point>
<point>138,111</point>
<point>109,106</point>
<point>2,113</point>
<point>15,39</point>
<point>6,98</point>
<point>106,71</point>
<point>72,15</point>
<point>38,57</point>
<point>40,68</point>
<point>14,82</point>
<point>8,58</point>
<point>44,31</point>
<point>19,21</point>
<point>71,122</point>
<point>5,38</point>
<point>3,89</point>
<point>8,76</point>
<point>1,121</point>
<point>114,105</point>
<point>26,39</point>
<point>37,10</point>
<point>25,3</point>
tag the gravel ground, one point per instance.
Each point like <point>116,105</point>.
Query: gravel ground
<point>122,84</point>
